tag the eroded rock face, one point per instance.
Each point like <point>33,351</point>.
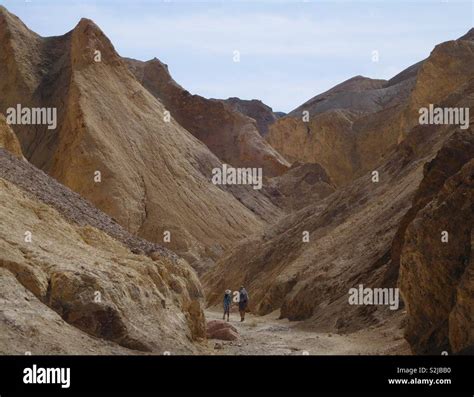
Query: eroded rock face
<point>91,276</point>
<point>8,139</point>
<point>28,325</point>
<point>310,280</point>
<point>255,109</point>
<point>461,319</point>
<point>301,185</point>
<point>154,176</point>
<point>93,283</point>
<point>360,94</point>
<point>436,275</point>
<point>347,129</point>
<point>445,71</point>
<point>457,151</point>
<point>327,139</point>
<point>366,119</point>
<point>229,134</point>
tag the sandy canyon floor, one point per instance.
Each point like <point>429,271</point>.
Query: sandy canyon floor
<point>267,335</point>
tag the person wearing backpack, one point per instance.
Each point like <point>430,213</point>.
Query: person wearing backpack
<point>243,302</point>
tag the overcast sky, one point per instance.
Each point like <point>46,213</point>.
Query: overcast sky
<point>289,50</point>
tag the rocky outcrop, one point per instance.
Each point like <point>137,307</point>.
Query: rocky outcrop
<point>445,71</point>
<point>435,252</point>
<point>8,139</point>
<point>348,129</point>
<point>326,139</point>
<point>302,184</point>
<point>376,115</point>
<point>108,296</point>
<point>27,326</point>
<point>451,158</point>
<point>229,134</point>
<point>359,94</point>
<point>115,146</point>
<point>309,280</point>
<point>255,109</point>
<point>306,263</point>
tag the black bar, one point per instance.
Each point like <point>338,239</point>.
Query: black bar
<point>251,373</point>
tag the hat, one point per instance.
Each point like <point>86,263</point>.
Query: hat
<point>228,291</point>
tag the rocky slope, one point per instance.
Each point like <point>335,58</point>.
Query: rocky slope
<point>8,139</point>
<point>359,94</point>
<point>115,147</point>
<point>352,233</point>
<point>229,134</point>
<point>300,185</point>
<point>345,125</point>
<point>71,282</point>
<point>255,109</point>
<point>365,231</point>
<point>440,314</point>
<point>327,139</point>
<point>446,70</point>
<point>315,230</point>
<point>354,126</point>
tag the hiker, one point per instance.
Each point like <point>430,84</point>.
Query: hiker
<point>243,302</point>
<point>227,303</point>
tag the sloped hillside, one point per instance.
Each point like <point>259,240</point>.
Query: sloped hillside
<point>302,184</point>
<point>348,129</point>
<point>354,126</point>
<point>71,283</point>
<point>440,314</point>
<point>351,234</point>
<point>229,134</point>
<point>358,94</point>
<point>109,214</point>
<point>327,139</point>
<point>114,146</point>
<point>447,69</point>
<point>8,139</point>
<point>255,109</point>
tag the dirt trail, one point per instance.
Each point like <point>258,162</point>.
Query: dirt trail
<point>267,335</point>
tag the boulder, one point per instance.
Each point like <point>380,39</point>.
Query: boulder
<point>218,329</point>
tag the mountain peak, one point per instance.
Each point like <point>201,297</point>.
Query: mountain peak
<point>156,61</point>
<point>11,22</point>
<point>86,23</point>
<point>468,36</point>
<point>4,11</point>
<point>87,38</point>
<point>87,27</point>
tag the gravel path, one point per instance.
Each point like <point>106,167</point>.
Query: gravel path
<point>267,335</point>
